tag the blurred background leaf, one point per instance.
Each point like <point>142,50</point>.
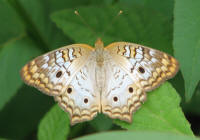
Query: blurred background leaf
<point>14,55</point>
<point>3,139</point>
<point>20,117</point>
<point>187,42</point>
<point>193,105</point>
<point>101,123</point>
<point>141,135</point>
<point>192,111</point>
<point>162,7</point>
<point>34,16</point>
<point>55,125</point>
<point>10,25</point>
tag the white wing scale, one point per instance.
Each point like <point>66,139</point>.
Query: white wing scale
<point>83,100</point>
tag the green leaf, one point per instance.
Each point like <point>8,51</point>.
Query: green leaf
<point>13,56</point>
<point>55,125</point>
<point>164,7</point>
<point>35,16</point>
<point>138,24</point>
<point>192,107</point>
<point>77,130</point>
<point>25,109</point>
<point>178,84</point>
<point>3,139</point>
<point>101,123</point>
<point>187,42</point>
<point>137,135</point>
<point>64,4</point>
<point>161,112</point>
<point>10,26</point>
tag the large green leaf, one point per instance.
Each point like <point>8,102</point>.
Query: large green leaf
<point>54,126</point>
<point>10,26</point>
<point>13,56</point>
<point>187,42</point>
<point>161,112</point>
<point>138,135</point>
<point>21,115</point>
<point>137,24</point>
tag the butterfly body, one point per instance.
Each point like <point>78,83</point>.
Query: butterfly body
<point>112,80</point>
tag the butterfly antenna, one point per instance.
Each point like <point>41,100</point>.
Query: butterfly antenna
<point>84,21</point>
<point>112,21</point>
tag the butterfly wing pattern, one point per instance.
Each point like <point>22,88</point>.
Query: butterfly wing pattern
<point>56,74</point>
<point>112,80</point>
<point>121,96</point>
<point>137,69</point>
<point>82,99</point>
<point>148,67</point>
<point>51,72</point>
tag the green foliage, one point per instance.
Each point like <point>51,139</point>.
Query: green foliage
<point>34,15</point>
<point>193,106</point>
<point>24,110</point>
<point>2,139</point>
<point>55,125</point>
<point>187,42</point>
<point>9,27</point>
<point>155,115</point>
<point>14,55</point>
<point>163,7</point>
<point>32,27</point>
<point>141,26</point>
<point>118,135</point>
<point>101,123</point>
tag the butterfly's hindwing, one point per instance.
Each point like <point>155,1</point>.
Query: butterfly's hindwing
<point>81,99</point>
<point>121,96</point>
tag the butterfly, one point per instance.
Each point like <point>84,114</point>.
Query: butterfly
<point>112,80</point>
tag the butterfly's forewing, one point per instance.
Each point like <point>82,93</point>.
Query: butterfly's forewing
<point>135,70</point>
<point>147,67</point>
<point>51,72</point>
<point>82,99</point>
